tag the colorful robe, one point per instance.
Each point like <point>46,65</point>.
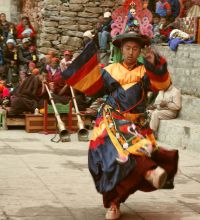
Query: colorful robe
<point>115,136</point>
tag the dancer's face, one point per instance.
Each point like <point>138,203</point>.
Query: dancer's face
<point>130,51</point>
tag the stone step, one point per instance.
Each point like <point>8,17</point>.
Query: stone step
<point>190,109</point>
<point>180,134</point>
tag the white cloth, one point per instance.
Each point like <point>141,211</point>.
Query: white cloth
<point>172,96</point>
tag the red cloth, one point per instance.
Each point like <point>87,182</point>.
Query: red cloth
<point>20,28</point>
<point>167,159</point>
<point>57,79</point>
<point>166,31</point>
<point>4,92</point>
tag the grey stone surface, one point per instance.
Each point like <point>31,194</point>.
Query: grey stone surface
<point>184,67</point>
<point>190,107</point>
<point>41,180</point>
<point>180,133</point>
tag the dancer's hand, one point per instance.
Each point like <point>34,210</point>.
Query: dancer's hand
<point>149,54</point>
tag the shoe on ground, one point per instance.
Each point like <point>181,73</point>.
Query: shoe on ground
<point>169,184</point>
<point>157,177</point>
<point>113,213</point>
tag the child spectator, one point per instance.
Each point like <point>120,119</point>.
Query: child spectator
<point>163,8</point>
<point>67,60</point>
<point>165,29</point>
<point>156,29</point>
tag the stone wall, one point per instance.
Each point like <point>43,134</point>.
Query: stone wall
<point>60,24</point>
<point>184,67</point>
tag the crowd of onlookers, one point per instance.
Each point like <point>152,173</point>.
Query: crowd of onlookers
<point>24,72</point>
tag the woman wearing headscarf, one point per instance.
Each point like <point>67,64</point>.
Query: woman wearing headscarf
<point>25,29</point>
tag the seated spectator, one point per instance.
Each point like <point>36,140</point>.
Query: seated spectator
<point>54,76</point>
<point>163,8</point>
<point>67,60</point>
<point>156,28</point>
<point>165,29</point>
<point>11,59</point>
<point>87,38</point>
<point>104,33</point>
<point>166,106</point>
<point>26,96</point>
<point>25,29</point>
<point>57,85</point>
<point>25,56</point>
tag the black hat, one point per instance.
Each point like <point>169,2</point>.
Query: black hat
<point>143,40</point>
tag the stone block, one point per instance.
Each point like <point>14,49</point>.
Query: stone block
<point>95,10</point>
<point>73,33</point>
<point>52,7</point>
<point>85,27</point>
<point>76,7</point>
<point>177,132</point>
<point>108,3</point>
<point>45,50</point>
<point>50,24</point>
<point>44,43</point>
<point>66,22</point>
<point>55,18</point>
<point>68,14</point>
<point>48,37</point>
<point>87,15</point>
<point>73,27</point>
<point>190,108</point>
<point>55,42</point>
<point>63,47</point>
<point>180,134</point>
<point>52,2</point>
<point>72,41</point>
<point>195,55</point>
<point>51,30</point>
<point>46,13</point>
<point>79,1</point>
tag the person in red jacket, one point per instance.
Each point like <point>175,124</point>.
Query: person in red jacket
<point>25,29</point>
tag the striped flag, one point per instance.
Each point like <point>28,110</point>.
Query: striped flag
<point>84,73</point>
